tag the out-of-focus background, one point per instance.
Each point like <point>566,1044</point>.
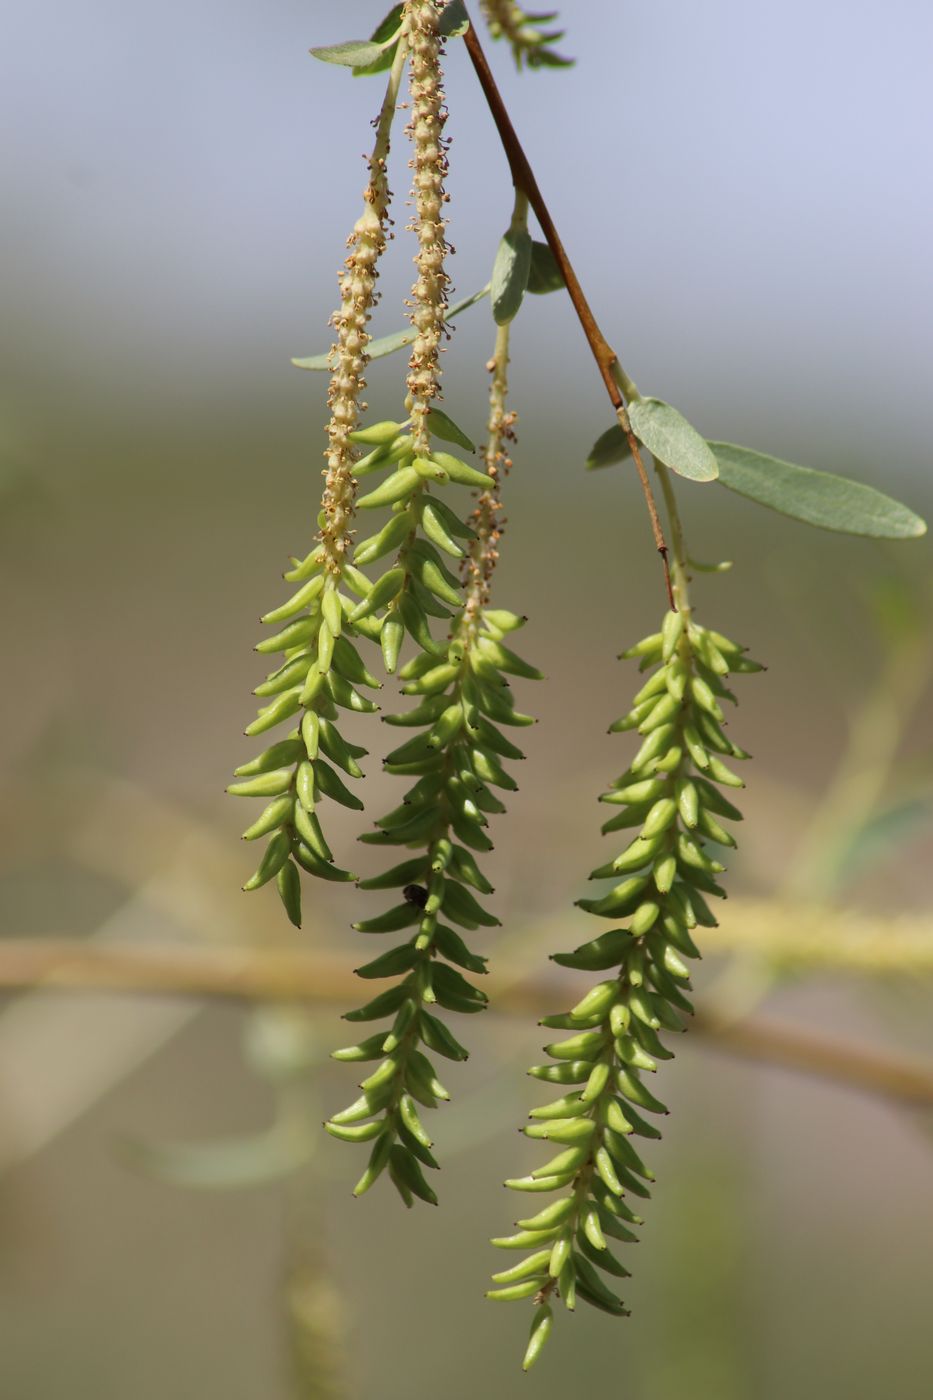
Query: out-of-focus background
<point>741,187</point>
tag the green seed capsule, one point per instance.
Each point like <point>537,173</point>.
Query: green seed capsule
<point>567,1161</point>
<point>660,713</point>
<point>654,745</point>
<point>577,1046</point>
<point>263,785</point>
<point>383,542</point>
<point>607,1173</point>
<point>460,472</point>
<point>704,697</point>
<point>387,588</point>
<point>430,470</point>
<point>274,816</point>
<point>619,1019</point>
<point>645,917</point>
<point>592,1228</point>
<point>303,569</point>
<point>597,1000</point>
<point>525,1239</point>
<point>554,1214</point>
<point>570,1130</point>
<point>659,818</point>
<point>695,747</point>
<point>540,1331</point>
<point>535,1264</point>
<point>354,1132</point>
<point>647,647</point>
<point>279,709</point>
<point>297,602</point>
<point>377,434</point>
<point>596,1083</point>
<point>516,1291</point>
<point>395,488</point>
<point>687,802</point>
<point>560,1253</point>
<point>665,872</point>
<point>287,751</point>
<point>676,676</point>
<point>539,1185</point>
<point>276,854</point>
<point>671,633</point>
<point>721,774</point>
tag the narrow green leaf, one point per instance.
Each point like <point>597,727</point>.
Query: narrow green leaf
<point>510,274</point>
<point>817,498</point>
<point>388,344</point>
<point>612,446</point>
<point>671,439</point>
<point>544,275</point>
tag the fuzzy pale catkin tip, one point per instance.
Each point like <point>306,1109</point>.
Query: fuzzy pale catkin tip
<point>357,297</point>
<point>429,167</point>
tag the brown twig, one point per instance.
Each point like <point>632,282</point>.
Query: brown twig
<point>243,974</point>
<point>607,361</point>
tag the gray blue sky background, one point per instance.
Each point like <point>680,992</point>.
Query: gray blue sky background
<point>743,185</point>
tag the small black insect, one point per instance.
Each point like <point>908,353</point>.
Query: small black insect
<point>416,895</point>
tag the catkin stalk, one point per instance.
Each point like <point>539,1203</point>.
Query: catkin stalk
<point>429,167</point>
<point>357,298</point>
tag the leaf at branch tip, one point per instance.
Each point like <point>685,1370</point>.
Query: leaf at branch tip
<point>545,276</point>
<point>443,427</point>
<point>510,274</point>
<point>817,498</point>
<point>612,446</point>
<point>454,20</point>
<point>388,344</point>
<point>672,440</point>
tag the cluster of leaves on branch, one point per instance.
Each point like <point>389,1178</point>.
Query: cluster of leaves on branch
<point>427,608</point>
<point>527,33</point>
<point>671,800</point>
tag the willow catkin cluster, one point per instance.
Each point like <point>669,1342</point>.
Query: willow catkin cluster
<point>457,760</point>
<point>671,798</point>
<point>320,667</point>
<point>429,170</point>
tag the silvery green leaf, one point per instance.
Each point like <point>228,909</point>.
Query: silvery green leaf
<point>387,344</point>
<point>545,276</point>
<point>818,498</point>
<point>387,31</point>
<point>510,274</point>
<point>443,427</point>
<point>612,446</point>
<point>454,20</point>
<point>355,53</point>
<point>672,440</point>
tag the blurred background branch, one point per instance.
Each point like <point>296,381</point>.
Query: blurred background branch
<point>253,975</point>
